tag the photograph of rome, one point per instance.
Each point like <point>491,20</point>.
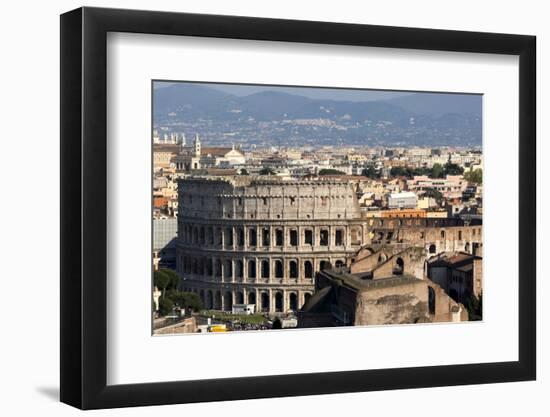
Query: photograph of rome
<point>280,207</point>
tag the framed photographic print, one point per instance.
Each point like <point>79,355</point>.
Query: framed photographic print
<point>259,208</point>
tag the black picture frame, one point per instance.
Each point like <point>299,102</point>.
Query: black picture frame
<point>84,207</point>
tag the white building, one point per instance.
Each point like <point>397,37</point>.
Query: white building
<point>402,200</point>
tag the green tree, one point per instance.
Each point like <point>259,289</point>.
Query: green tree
<point>399,172</point>
<point>165,306</point>
<point>371,172</point>
<point>267,171</point>
<point>453,169</point>
<point>243,172</point>
<point>475,176</point>
<point>174,279</point>
<point>161,281</point>
<point>330,171</point>
<point>437,171</point>
<point>475,308</point>
<point>186,300</point>
<point>433,193</point>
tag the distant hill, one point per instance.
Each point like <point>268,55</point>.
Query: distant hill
<point>436,104</point>
<point>420,118</point>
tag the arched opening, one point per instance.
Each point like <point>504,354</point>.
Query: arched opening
<point>228,301</point>
<point>202,236</point>
<point>279,238</point>
<point>293,269</point>
<point>265,268</point>
<point>431,300</point>
<point>293,302</point>
<point>307,296</point>
<point>323,237</point>
<point>431,249</point>
<point>339,263</point>
<point>228,270</point>
<point>209,300</point>
<point>229,236</point>
<point>399,267</point>
<point>278,302</point>
<point>239,269</point>
<point>201,295</point>
<point>218,269</point>
<point>279,273</point>
<point>443,234</point>
<point>467,247</point>
<point>308,269</point>
<point>251,298</point>
<point>339,237</point>
<point>293,237</point>
<point>265,302</point>
<point>382,258</point>
<point>252,235</point>
<point>239,298</point>
<point>240,237</point>
<point>251,269</point>
<point>265,237</point>
<point>209,268</point>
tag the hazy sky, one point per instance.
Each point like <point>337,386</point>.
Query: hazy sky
<point>311,92</point>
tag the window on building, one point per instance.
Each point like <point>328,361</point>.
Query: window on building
<point>265,236</point>
<point>240,237</point>
<point>293,269</point>
<point>293,237</point>
<point>279,237</point>
<point>323,237</point>
<point>293,301</point>
<point>251,268</point>
<point>308,269</point>
<point>324,201</point>
<point>279,273</point>
<point>265,268</point>
<point>278,302</point>
<point>239,269</point>
<point>229,237</point>
<point>432,248</point>
<point>460,235</point>
<point>339,237</point>
<point>228,270</point>
<point>252,237</point>
<point>308,237</point>
<point>399,267</point>
<point>218,268</point>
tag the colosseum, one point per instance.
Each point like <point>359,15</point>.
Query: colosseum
<point>260,240</point>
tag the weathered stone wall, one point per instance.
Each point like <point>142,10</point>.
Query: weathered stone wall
<point>262,241</point>
<point>407,303</point>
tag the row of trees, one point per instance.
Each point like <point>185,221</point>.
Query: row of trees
<point>437,171</point>
<point>167,281</point>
